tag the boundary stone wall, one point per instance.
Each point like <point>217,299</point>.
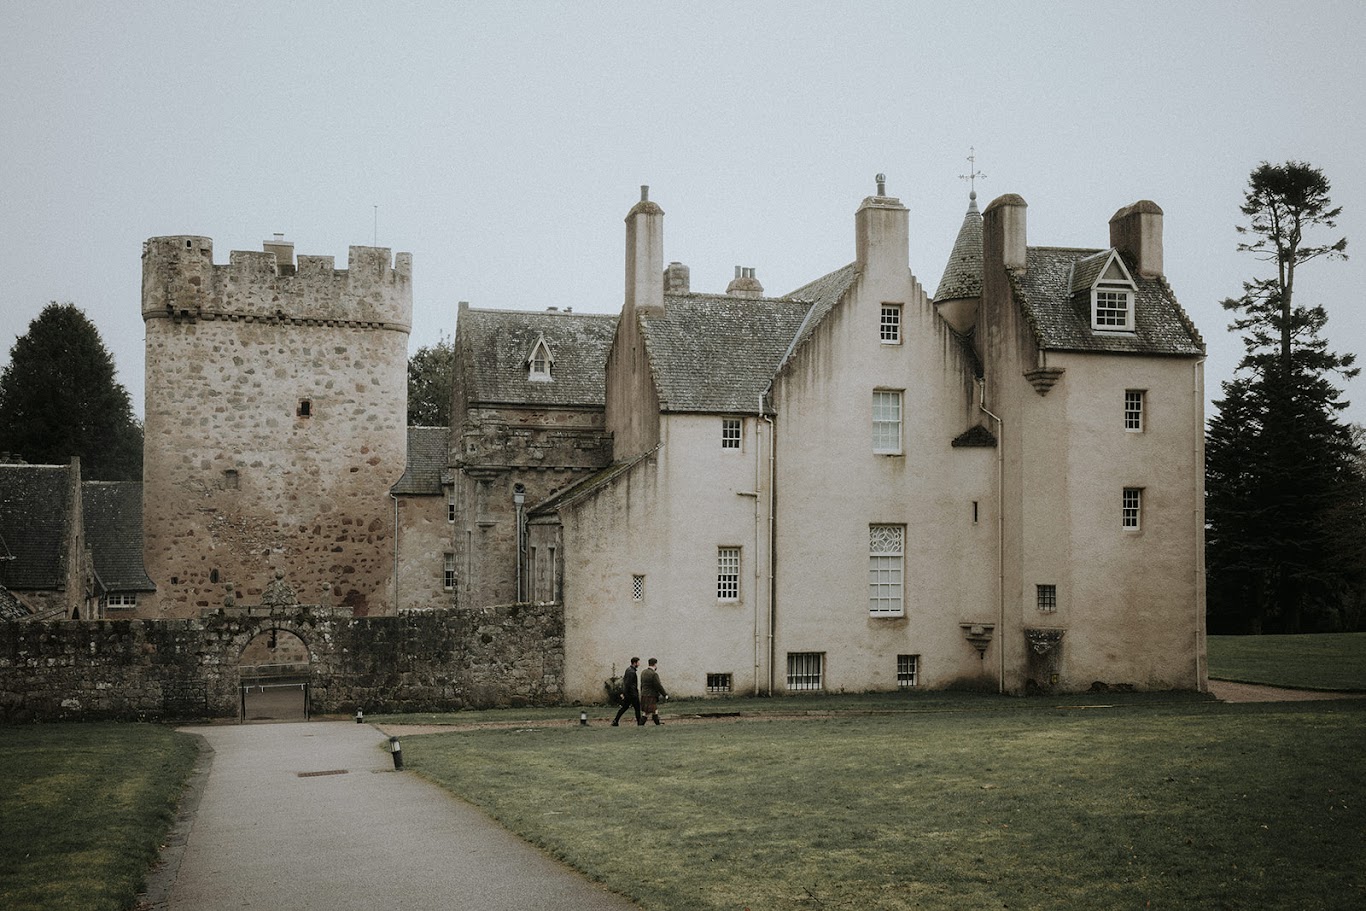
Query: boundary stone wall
<point>181,670</point>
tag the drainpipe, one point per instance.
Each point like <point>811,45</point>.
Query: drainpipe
<point>1000,534</point>
<point>519,498</point>
<point>772,534</point>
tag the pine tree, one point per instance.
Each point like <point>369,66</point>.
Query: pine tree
<point>1278,458</point>
<point>59,398</point>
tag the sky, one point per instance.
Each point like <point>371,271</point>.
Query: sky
<point>502,144</point>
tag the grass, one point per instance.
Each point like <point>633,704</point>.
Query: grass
<point>1321,661</point>
<point>83,809</point>
<point>986,803</point>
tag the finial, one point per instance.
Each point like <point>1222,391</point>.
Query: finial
<point>882,185</point>
<point>644,192</point>
<point>973,174</point>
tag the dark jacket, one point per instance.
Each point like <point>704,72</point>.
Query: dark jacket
<point>630,686</point>
<point>650,686</point>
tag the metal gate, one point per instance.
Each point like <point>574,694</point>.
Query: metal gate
<point>274,692</point>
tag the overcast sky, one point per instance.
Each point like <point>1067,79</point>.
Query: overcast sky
<point>504,143</point>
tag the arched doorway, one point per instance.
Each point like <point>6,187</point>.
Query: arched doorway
<point>273,671</point>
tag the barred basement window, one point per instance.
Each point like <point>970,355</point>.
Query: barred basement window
<point>728,574</point>
<point>718,683</point>
<point>805,670</point>
<point>637,588</point>
<point>1047,597</point>
<point>907,670</point>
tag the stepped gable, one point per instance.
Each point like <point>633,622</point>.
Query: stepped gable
<point>497,343</point>
<point>717,353</point>
<point>1061,319</point>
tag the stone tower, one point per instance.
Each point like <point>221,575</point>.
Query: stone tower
<point>276,417</point>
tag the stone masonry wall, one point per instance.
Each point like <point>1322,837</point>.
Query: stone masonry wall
<point>177,670</point>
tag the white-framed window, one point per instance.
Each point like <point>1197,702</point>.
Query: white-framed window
<point>889,332</point>
<point>1046,597</point>
<point>805,670</point>
<point>1112,297</point>
<point>450,503</point>
<point>1133,508</point>
<point>718,684</point>
<point>887,421</point>
<point>540,363</point>
<point>637,588</point>
<point>730,433</point>
<point>727,574</point>
<point>907,671</point>
<point>121,599</point>
<point>448,573</point>
<point>886,567</point>
<point>1133,410</point>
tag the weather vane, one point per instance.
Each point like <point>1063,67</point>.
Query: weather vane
<point>973,173</point>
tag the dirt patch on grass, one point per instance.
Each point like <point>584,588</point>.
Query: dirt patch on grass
<point>1228,691</point>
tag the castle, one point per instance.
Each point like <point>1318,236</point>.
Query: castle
<point>851,486</point>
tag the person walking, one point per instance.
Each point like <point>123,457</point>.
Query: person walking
<point>651,691</point>
<point>630,694</point>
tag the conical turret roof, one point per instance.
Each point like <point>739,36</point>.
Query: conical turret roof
<point>963,274</point>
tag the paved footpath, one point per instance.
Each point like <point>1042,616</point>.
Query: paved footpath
<point>313,816</point>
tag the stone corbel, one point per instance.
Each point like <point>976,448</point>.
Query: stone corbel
<point>979,634</point>
<point>1044,378</point>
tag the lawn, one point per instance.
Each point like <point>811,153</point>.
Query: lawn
<point>83,809</point>
<point>990,803</point>
<point>1321,662</point>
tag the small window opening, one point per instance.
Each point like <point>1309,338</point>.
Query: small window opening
<point>305,408</point>
<point>718,684</point>
<point>213,575</point>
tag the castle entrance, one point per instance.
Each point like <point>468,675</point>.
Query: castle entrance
<point>274,676</point>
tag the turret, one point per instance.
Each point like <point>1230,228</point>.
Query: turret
<point>177,275</point>
<point>960,290</point>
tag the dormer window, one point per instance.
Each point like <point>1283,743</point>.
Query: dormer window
<point>540,363</point>
<point>1111,289</point>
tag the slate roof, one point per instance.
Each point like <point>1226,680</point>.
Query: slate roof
<point>495,344</point>
<point>34,511</point>
<point>1061,319</point>
<point>717,354</point>
<point>963,274</point>
<point>823,294</point>
<point>113,532</point>
<point>11,608</point>
<point>428,452</point>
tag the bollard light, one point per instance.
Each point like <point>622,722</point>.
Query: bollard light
<point>360,716</point>
<point>583,718</point>
<point>397,750</point>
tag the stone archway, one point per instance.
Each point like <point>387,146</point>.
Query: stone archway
<point>274,672</point>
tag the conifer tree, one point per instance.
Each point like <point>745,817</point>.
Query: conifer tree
<point>59,398</point>
<point>1278,458</point>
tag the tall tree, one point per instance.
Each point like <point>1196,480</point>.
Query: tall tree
<point>431,382</point>
<point>59,398</point>
<point>1278,458</point>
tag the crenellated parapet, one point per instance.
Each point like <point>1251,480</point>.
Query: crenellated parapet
<point>181,282</point>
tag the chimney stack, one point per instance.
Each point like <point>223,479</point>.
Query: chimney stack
<point>1137,231</point>
<point>1003,231</point>
<point>745,284</point>
<point>882,234</point>
<point>283,250</point>
<point>645,255</point>
<point>676,279</point>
